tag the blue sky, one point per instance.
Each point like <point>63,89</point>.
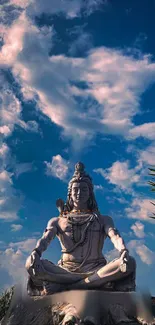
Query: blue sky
<point>77,84</point>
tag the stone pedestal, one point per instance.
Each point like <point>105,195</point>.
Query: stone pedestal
<point>100,308</point>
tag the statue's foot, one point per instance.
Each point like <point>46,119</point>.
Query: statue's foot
<point>71,316</point>
<point>70,320</point>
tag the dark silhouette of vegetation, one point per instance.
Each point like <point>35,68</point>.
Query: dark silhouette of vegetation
<point>5,299</point>
<point>152,183</point>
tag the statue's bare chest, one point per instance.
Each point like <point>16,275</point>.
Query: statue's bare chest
<point>77,228</point>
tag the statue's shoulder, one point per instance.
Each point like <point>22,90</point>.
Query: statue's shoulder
<point>53,222</point>
<point>107,222</point>
<point>106,219</point>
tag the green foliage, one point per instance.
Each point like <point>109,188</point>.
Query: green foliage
<point>152,183</point>
<point>5,299</point>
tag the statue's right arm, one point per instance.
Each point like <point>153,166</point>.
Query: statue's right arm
<point>49,234</point>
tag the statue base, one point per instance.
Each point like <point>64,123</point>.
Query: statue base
<point>79,307</point>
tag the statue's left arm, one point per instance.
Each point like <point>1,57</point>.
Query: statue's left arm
<point>114,234</point>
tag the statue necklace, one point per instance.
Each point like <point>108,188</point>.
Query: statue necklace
<point>76,224</point>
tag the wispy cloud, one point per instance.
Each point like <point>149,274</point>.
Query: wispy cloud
<point>98,187</point>
<point>146,255</point>
<point>23,168</point>
<point>16,227</point>
<point>81,44</point>
<point>139,209</point>
<point>145,130</point>
<point>138,229</point>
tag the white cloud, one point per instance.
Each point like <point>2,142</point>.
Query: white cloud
<point>13,259</point>
<point>13,41</point>
<point>13,262</point>
<point>138,229</point>
<point>26,246</point>
<point>70,9</point>
<point>113,79</point>
<point>119,174</point>
<point>4,155</point>
<point>144,130</point>
<point>5,130</point>
<point>98,187</point>
<point>16,227</point>
<point>140,209</point>
<point>146,255</point>
<point>10,110</point>
<point>147,156</point>
<point>59,167</point>
<point>20,3</point>
<point>9,202</point>
<point>23,168</point>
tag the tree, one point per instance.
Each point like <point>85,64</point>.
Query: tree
<point>152,183</point>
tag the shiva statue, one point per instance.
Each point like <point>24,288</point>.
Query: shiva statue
<point>81,230</point>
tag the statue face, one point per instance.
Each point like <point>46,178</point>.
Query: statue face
<point>80,192</point>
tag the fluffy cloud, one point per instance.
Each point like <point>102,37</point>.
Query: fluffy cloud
<point>137,248</point>
<point>4,155</point>
<point>147,156</point>
<point>59,167</point>
<point>12,261</point>
<point>140,209</point>
<point>113,81</point>
<point>119,174</point>
<point>9,202</point>
<point>138,229</point>
<point>146,255</point>
<point>15,227</point>
<point>26,246</point>
<point>10,110</point>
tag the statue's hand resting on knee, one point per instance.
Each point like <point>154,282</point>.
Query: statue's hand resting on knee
<point>36,263</point>
<point>124,260</point>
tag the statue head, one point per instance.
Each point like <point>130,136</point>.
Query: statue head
<point>80,190</point>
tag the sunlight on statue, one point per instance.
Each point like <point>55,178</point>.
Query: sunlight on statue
<point>82,231</point>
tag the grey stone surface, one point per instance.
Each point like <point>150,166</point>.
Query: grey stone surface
<point>80,307</point>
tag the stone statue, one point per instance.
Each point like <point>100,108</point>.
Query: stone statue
<point>81,230</point>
